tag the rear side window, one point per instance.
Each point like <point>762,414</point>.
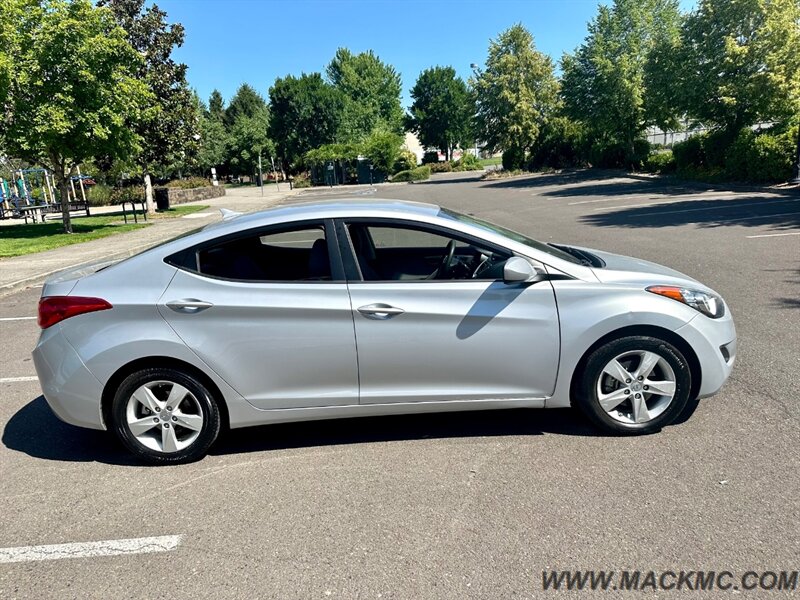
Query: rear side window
<point>293,254</point>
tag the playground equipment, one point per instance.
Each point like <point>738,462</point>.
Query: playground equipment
<point>32,193</point>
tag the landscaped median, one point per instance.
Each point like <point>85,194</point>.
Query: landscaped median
<point>18,240</point>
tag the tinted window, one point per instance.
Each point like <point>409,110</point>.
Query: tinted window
<point>284,255</point>
<point>410,253</point>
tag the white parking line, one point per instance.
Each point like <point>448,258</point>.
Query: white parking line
<point>145,545</point>
<point>17,318</point>
<point>17,379</point>
<point>772,235</point>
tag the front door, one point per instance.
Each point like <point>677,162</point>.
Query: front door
<point>435,322</point>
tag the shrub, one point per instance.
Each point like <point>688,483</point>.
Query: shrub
<point>468,162</point>
<point>301,181</point>
<point>612,154</point>
<point>416,174</point>
<point>689,153</point>
<point>513,158</point>
<point>441,167</point>
<point>99,195</point>
<point>430,157</point>
<point>133,193</point>
<point>562,144</point>
<point>405,162</point>
<point>188,183</point>
<point>660,162</point>
<point>765,157</point>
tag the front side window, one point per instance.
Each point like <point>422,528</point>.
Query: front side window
<point>389,252</point>
<point>294,254</point>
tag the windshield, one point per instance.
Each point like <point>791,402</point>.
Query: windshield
<point>513,235</point>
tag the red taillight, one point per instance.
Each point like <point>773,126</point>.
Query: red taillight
<point>55,309</point>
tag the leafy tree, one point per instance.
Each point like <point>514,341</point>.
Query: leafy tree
<point>737,62</point>
<point>516,94</point>
<point>170,128</point>
<point>74,94</point>
<point>305,113</point>
<point>247,123</point>
<point>245,103</point>
<point>383,149</point>
<point>247,140</point>
<point>12,11</point>
<point>213,134</point>
<point>442,111</point>
<point>372,89</point>
<point>603,82</point>
<point>216,106</point>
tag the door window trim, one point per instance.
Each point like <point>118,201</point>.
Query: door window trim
<point>353,270</point>
<point>187,259</point>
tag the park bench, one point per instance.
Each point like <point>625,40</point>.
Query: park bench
<point>53,210</point>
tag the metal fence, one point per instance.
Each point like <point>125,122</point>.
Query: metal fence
<point>654,135</point>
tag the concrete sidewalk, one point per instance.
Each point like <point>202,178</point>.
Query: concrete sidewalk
<point>20,272</point>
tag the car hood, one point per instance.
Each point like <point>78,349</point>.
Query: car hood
<point>626,269</point>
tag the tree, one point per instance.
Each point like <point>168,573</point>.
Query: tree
<point>383,148</point>
<point>738,63</point>
<point>216,106</point>
<point>305,113</point>
<point>74,95</point>
<point>245,103</point>
<point>442,111</point>
<point>372,89</point>
<point>247,123</point>
<point>516,94</point>
<point>170,127</point>
<point>603,82</point>
<point>213,135</point>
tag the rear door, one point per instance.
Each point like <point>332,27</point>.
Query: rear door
<point>269,311</point>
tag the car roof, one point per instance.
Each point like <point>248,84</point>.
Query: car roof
<point>331,209</point>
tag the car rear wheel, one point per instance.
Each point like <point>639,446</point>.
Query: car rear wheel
<point>165,416</point>
<point>634,385</point>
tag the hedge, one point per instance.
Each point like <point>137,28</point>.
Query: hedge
<point>417,174</point>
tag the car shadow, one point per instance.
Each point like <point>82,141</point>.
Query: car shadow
<point>34,430</point>
<point>397,428</point>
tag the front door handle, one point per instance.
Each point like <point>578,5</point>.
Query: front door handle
<point>380,311</point>
<point>189,305</point>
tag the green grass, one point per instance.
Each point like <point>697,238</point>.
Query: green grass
<point>488,162</point>
<point>179,211</point>
<point>17,240</point>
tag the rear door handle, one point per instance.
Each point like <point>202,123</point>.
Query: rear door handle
<point>380,311</point>
<point>189,305</point>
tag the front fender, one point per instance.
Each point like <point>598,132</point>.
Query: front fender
<point>588,311</point>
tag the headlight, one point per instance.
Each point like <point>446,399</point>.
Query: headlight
<point>707,303</point>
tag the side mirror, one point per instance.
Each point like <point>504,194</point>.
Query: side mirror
<point>517,270</point>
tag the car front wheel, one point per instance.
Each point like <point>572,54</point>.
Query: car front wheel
<point>165,416</point>
<point>634,385</point>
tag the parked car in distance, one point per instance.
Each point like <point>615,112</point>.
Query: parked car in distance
<point>353,308</point>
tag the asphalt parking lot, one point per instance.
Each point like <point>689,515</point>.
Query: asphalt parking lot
<point>470,505</point>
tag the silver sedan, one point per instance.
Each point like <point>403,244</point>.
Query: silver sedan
<point>353,308</point>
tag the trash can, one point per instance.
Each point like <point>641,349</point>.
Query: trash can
<point>162,198</point>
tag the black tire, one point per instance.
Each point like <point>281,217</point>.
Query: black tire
<point>205,403</point>
<point>586,397</point>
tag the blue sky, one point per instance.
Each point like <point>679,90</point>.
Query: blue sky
<point>236,41</point>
